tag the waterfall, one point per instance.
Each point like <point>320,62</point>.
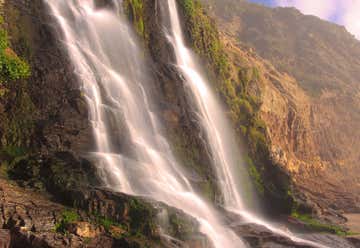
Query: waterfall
<point>113,78</point>
<point>220,139</point>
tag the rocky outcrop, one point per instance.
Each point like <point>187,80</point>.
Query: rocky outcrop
<point>103,219</point>
<point>308,95</point>
<point>56,110</point>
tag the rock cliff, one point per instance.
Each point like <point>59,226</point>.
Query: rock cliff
<point>308,92</point>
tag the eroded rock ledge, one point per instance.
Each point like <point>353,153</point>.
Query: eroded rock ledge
<point>106,219</point>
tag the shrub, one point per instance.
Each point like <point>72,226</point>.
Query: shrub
<point>11,66</point>
<point>67,217</point>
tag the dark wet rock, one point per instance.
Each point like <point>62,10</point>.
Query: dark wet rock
<point>355,241</point>
<point>260,236</point>
<point>330,240</point>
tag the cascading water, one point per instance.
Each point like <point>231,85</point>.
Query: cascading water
<point>108,64</point>
<point>213,121</point>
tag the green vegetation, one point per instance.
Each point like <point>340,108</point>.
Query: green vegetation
<point>17,120</point>
<point>204,37</point>
<point>256,176</point>
<point>135,11</point>
<point>109,225</point>
<point>9,156</point>
<point>67,217</point>
<point>13,152</point>
<point>11,66</point>
<point>316,225</point>
<point>141,214</point>
<point>233,83</point>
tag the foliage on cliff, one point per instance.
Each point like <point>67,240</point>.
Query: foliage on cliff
<point>11,66</point>
<point>135,11</point>
<point>16,122</point>
<point>232,83</point>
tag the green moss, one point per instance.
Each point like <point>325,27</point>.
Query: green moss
<point>13,152</point>
<point>256,176</point>
<point>135,11</point>
<point>316,225</point>
<point>9,157</point>
<point>67,217</point>
<point>11,66</point>
<point>107,224</point>
<point>17,121</point>
<point>141,214</point>
<point>204,37</point>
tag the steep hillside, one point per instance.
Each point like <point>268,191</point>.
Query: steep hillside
<point>310,95</point>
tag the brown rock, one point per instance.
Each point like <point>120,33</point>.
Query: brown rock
<point>116,231</point>
<point>5,238</point>
<point>84,230</point>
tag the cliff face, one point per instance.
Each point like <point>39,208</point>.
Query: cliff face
<point>51,195</point>
<point>309,95</point>
<point>44,137</point>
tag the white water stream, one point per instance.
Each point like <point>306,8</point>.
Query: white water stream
<point>109,66</point>
<point>219,134</point>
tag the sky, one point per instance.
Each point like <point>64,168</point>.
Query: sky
<point>343,12</point>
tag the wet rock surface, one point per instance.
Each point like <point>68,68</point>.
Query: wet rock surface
<point>260,236</point>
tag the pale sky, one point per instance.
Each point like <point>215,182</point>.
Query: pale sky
<point>343,12</point>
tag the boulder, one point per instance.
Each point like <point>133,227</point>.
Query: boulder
<point>84,229</point>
